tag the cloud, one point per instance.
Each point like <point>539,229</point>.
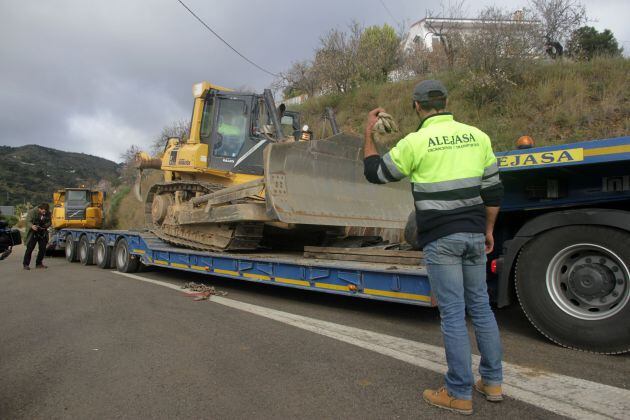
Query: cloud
<point>98,76</point>
<point>103,133</point>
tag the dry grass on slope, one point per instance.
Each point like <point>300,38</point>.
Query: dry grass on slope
<point>554,102</point>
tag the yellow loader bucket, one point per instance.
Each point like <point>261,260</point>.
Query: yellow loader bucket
<point>321,182</point>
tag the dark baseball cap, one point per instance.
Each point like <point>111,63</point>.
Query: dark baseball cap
<point>422,89</point>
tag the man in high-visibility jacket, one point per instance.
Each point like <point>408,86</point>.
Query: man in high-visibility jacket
<point>457,192</point>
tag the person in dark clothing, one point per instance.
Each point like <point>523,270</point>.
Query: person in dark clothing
<point>37,223</point>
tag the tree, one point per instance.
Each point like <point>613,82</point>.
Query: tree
<point>558,18</point>
<point>586,43</point>
<point>495,54</point>
<point>301,78</point>
<point>444,25</point>
<point>415,61</point>
<point>128,157</point>
<point>336,59</point>
<point>378,52</point>
<point>501,44</point>
<point>178,128</point>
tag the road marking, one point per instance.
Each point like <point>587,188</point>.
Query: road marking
<point>159,283</point>
<point>564,395</point>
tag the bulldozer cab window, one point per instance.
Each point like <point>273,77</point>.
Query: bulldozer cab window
<point>207,119</point>
<point>231,129</point>
<point>262,124</point>
<point>288,125</point>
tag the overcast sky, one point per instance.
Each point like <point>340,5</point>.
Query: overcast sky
<point>97,76</point>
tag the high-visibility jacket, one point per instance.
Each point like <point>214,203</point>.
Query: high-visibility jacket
<point>453,173</point>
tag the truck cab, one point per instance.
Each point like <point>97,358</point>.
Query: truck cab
<point>562,241</point>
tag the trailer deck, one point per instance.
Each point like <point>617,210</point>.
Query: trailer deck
<point>380,281</point>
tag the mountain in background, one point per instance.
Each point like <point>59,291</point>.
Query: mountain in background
<point>32,173</point>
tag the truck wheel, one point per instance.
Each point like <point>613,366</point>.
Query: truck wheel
<point>70,249</point>
<point>573,284</point>
<point>125,262</point>
<point>85,251</point>
<point>102,253</point>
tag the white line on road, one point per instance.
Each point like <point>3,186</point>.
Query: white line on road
<point>158,282</point>
<point>564,395</point>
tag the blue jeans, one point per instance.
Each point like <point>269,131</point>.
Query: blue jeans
<point>456,265</point>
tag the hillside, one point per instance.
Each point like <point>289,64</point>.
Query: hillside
<point>31,173</point>
<point>558,102</point>
<point>554,102</point>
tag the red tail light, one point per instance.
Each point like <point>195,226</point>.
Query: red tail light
<point>493,266</point>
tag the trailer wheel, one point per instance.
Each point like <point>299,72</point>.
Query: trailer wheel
<point>70,249</point>
<point>573,284</point>
<point>102,253</point>
<point>85,251</point>
<point>125,262</point>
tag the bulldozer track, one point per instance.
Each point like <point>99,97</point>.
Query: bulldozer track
<point>234,236</point>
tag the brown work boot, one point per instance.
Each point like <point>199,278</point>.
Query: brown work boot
<point>440,398</point>
<point>41,266</point>
<point>491,392</point>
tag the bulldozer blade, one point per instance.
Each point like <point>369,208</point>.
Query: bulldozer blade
<point>321,182</point>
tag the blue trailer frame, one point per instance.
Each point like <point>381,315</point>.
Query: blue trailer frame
<point>566,187</point>
<point>380,281</point>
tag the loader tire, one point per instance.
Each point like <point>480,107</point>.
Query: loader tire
<point>70,249</point>
<point>102,253</point>
<point>125,262</point>
<point>573,284</point>
<point>85,251</point>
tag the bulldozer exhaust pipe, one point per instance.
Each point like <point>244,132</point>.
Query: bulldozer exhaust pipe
<point>271,106</point>
<point>330,114</point>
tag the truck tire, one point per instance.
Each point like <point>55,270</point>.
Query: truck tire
<point>70,249</point>
<point>573,284</point>
<point>125,262</point>
<point>85,251</point>
<point>102,253</point>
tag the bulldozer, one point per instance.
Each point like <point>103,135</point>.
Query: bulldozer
<point>249,175</point>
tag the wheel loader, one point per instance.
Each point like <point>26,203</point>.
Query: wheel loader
<point>75,208</point>
<point>250,176</point>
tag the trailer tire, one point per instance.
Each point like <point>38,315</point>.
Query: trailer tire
<point>125,262</point>
<point>85,251</point>
<point>573,283</point>
<point>102,253</point>
<point>70,249</point>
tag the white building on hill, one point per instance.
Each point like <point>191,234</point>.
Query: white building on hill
<point>428,31</point>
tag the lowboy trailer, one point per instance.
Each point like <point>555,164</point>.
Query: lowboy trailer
<point>562,250</point>
<point>128,250</point>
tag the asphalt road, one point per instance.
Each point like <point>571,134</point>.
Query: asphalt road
<point>80,342</point>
